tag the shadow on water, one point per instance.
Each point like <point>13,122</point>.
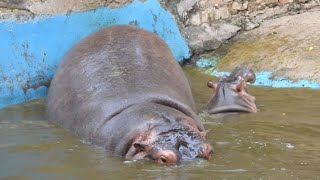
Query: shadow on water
<point>281,141</point>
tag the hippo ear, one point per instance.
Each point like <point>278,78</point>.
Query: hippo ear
<point>140,147</point>
<point>250,76</point>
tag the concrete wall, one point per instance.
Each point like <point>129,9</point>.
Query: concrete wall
<point>32,47</point>
<point>35,34</point>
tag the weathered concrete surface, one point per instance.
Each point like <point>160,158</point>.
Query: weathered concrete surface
<point>205,24</point>
<point>59,6</point>
<point>290,51</point>
<point>194,17</point>
<point>28,9</point>
<point>205,37</point>
<point>195,20</point>
<point>65,6</point>
<point>288,46</point>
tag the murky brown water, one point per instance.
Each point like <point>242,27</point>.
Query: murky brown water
<point>281,141</point>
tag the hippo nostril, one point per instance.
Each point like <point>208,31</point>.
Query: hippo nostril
<point>207,152</point>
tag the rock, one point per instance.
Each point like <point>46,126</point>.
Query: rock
<point>115,3</point>
<point>270,3</point>
<point>251,25</point>
<point>18,14</point>
<point>195,19</point>
<point>221,13</point>
<point>294,7</point>
<point>207,15</point>
<point>269,12</point>
<point>205,37</point>
<point>312,4</point>
<point>236,6</point>
<point>284,1</point>
<point>224,31</point>
<point>185,6</point>
<point>245,5</point>
<point>202,4</point>
<point>303,1</point>
<point>211,44</point>
<point>217,2</point>
<point>13,4</point>
<point>259,1</point>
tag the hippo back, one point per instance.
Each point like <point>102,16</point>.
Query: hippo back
<point>111,70</point>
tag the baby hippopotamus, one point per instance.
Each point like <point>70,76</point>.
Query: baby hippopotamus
<point>230,93</point>
<point>121,89</point>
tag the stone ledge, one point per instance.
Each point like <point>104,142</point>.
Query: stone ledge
<point>288,46</point>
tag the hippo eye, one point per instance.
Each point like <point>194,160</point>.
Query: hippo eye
<point>163,159</point>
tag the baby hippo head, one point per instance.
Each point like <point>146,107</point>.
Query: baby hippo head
<point>230,93</point>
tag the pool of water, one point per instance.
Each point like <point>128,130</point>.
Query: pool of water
<point>281,141</point>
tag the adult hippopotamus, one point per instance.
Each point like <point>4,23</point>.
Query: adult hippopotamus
<point>230,93</point>
<point>121,89</point>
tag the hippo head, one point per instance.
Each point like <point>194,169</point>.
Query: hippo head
<point>230,93</point>
<point>173,146</point>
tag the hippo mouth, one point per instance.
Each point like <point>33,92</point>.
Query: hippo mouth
<point>233,108</point>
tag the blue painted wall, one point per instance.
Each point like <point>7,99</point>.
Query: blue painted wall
<point>31,50</point>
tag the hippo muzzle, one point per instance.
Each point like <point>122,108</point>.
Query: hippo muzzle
<point>174,148</point>
<point>230,93</point>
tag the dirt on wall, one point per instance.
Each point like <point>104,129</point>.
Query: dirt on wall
<point>27,9</point>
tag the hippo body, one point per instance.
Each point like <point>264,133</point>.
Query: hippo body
<point>121,89</point>
<point>230,93</point>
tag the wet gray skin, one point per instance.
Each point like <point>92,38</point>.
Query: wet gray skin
<point>230,93</point>
<point>121,89</point>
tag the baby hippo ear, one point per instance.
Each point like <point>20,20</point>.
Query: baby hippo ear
<point>212,85</point>
<point>241,84</point>
<point>140,147</point>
